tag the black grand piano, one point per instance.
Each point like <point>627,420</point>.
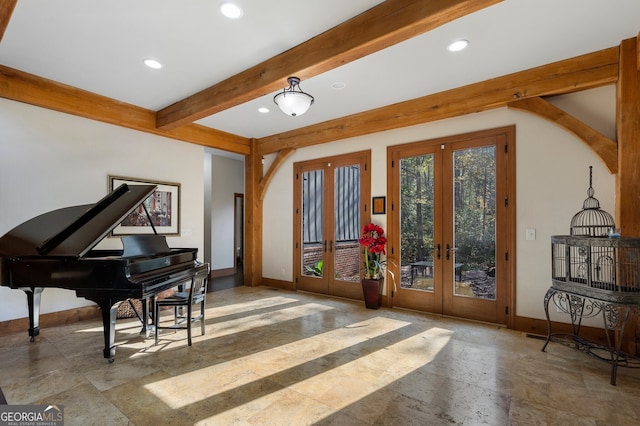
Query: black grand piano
<point>55,249</point>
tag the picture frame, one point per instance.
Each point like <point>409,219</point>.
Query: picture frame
<point>379,205</point>
<point>163,206</point>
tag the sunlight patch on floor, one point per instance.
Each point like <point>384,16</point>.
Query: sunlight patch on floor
<point>266,364</point>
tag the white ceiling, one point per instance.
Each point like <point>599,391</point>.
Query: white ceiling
<point>99,46</point>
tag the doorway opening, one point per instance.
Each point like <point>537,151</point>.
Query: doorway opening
<point>238,233</point>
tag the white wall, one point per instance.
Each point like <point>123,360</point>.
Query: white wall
<point>227,178</point>
<point>552,170</point>
<point>50,160</point>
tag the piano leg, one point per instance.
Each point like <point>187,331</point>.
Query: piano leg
<point>34,294</point>
<point>109,309</point>
<point>145,316</point>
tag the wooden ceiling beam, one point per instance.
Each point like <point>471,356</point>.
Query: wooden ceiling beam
<point>28,88</point>
<point>6,10</point>
<point>384,25</point>
<point>582,72</point>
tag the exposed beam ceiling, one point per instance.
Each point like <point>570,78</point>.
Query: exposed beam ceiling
<point>580,73</point>
<point>371,31</point>
<point>389,23</point>
<point>34,90</point>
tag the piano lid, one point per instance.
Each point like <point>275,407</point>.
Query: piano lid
<point>73,231</point>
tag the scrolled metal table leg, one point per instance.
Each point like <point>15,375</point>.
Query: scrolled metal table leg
<point>547,297</point>
<point>614,320</point>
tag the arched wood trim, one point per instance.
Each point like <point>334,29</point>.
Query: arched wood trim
<point>6,10</point>
<point>280,158</point>
<point>604,147</point>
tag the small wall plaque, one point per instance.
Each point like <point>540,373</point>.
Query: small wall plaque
<point>379,205</point>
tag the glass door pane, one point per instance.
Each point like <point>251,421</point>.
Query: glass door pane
<point>312,229</point>
<point>347,224</point>
<point>474,206</point>
<point>417,222</point>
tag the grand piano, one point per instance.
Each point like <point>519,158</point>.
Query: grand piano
<point>55,249</point>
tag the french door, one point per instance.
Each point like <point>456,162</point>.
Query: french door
<point>453,248</point>
<point>331,204</point>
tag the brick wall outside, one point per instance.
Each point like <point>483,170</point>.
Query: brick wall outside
<point>347,259</point>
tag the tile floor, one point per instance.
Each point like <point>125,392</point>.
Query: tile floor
<point>272,357</point>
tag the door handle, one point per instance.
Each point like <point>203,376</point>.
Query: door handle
<point>438,251</point>
<point>449,250</point>
<point>325,246</point>
<point>331,246</point>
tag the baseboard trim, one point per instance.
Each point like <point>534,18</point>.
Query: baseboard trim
<point>281,284</point>
<point>216,273</point>
<point>525,324</point>
<point>21,325</point>
<point>538,327</point>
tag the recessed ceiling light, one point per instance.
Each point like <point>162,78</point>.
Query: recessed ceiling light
<point>231,10</point>
<point>263,110</point>
<point>458,45</point>
<point>338,85</point>
<point>152,63</point>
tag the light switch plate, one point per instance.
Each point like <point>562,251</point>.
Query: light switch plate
<point>531,234</point>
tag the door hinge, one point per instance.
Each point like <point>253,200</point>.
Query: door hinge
<point>506,148</point>
<point>506,310</point>
<point>506,255</point>
<point>506,201</point>
<point>393,163</point>
<point>392,251</point>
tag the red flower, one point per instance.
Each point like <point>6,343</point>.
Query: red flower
<point>374,240</point>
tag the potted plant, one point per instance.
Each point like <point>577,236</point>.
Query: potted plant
<point>374,242</point>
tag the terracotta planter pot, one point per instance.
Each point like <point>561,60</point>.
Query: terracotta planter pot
<point>372,291</point>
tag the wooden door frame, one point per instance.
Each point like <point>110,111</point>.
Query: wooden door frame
<point>393,252</point>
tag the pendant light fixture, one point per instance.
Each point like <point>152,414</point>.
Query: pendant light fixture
<point>291,101</point>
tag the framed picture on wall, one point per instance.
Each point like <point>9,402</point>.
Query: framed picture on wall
<point>163,207</point>
<point>379,205</point>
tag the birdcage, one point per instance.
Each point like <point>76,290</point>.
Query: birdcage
<point>602,268</point>
<point>592,221</point>
<point>595,272</point>
<point>588,263</point>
